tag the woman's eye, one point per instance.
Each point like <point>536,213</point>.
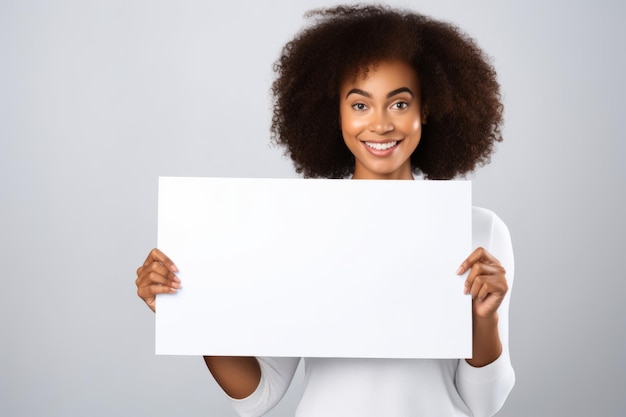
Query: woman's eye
<point>359,106</point>
<point>400,105</point>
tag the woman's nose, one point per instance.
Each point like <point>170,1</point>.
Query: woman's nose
<point>380,123</point>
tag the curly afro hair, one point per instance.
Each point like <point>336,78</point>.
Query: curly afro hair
<point>460,92</point>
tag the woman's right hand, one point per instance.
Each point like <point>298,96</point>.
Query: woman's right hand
<point>157,275</point>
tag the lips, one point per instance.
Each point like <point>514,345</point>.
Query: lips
<point>381,146</point>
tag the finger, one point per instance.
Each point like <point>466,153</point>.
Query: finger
<point>492,292</point>
<point>474,281</point>
<point>148,293</point>
<point>158,256</point>
<point>486,270</point>
<point>485,289</point>
<point>470,260</point>
<point>169,274</point>
<point>149,278</point>
<point>479,254</point>
<point>158,267</point>
<point>484,285</point>
<point>476,270</point>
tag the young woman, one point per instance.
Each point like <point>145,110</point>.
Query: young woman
<point>368,92</point>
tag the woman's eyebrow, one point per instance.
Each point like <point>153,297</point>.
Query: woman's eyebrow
<point>389,95</point>
<point>400,90</point>
<point>359,91</point>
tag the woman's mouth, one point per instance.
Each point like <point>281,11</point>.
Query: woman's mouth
<point>381,148</point>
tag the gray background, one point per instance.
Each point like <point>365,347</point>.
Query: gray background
<point>97,99</point>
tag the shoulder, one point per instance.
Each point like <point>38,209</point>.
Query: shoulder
<point>486,217</point>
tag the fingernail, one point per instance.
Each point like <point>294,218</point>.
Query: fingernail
<point>460,270</point>
<point>174,268</point>
<point>176,279</point>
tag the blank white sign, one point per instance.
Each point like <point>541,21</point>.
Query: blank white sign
<point>315,268</point>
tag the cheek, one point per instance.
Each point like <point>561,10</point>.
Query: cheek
<point>413,125</point>
<point>350,125</point>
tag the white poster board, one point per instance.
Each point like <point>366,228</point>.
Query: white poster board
<point>315,268</point>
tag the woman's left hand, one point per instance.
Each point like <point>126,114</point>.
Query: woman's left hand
<point>486,282</point>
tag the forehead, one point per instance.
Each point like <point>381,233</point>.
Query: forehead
<point>384,74</point>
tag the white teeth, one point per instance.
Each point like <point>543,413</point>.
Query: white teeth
<point>381,146</point>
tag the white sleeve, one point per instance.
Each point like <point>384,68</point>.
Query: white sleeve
<point>276,375</point>
<point>485,389</point>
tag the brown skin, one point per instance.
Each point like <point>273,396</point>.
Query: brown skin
<point>487,284</point>
<point>382,107</point>
<point>238,376</point>
<point>157,275</point>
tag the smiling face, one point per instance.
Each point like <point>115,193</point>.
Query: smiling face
<point>381,120</point>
